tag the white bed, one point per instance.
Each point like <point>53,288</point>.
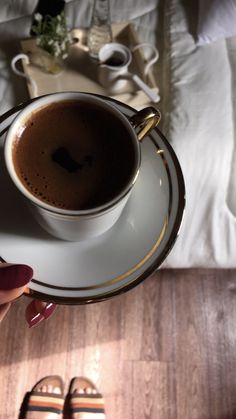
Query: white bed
<point>199,111</point>
<point>198,90</point>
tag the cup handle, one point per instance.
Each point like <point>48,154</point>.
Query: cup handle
<point>145,120</point>
<point>14,61</point>
<point>152,59</point>
<point>21,73</point>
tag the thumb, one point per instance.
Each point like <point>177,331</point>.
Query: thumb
<point>13,278</point>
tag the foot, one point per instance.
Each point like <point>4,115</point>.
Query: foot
<point>46,400</point>
<point>85,400</point>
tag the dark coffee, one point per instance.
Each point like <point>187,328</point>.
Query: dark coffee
<point>74,155</point>
<point>116,60</point>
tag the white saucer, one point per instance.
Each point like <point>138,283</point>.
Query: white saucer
<point>82,272</point>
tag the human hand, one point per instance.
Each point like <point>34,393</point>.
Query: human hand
<point>13,279</point>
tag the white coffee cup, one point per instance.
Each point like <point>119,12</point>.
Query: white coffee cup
<point>20,73</point>
<point>114,61</point>
<point>113,70</point>
<point>76,225</point>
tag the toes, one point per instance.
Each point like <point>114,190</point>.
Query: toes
<point>80,391</point>
<point>49,389</point>
<point>85,390</point>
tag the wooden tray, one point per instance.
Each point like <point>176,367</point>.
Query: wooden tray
<point>80,72</point>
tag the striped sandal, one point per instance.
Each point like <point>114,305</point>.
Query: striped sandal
<point>85,402</point>
<point>45,405</point>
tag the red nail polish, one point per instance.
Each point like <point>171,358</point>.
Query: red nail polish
<point>14,276</point>
<point>48,310</point>
<point>34,321</point>
<point>34,315</point>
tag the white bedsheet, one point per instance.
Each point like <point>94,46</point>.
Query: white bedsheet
<point>199,110</point>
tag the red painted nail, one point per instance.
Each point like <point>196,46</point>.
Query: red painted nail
<point>14,276</point>
<point>48,310</point>
<point>35,320</point>
<point>34,316</point>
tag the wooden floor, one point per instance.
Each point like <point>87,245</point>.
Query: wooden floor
<point>165,350</point>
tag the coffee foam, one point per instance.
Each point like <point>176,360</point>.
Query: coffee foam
<point>94,141</point>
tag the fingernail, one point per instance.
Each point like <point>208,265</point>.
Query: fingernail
<point>36,319</point>
<point>14,276</point>
<point>35,316</point>
<point>48,310</point>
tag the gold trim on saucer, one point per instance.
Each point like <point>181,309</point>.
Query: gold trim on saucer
<point>157,258</point>
<point>157,262</point>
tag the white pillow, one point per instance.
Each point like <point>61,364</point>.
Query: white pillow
<point>216,20</point>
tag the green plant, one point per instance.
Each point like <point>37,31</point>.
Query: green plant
<point>52,34</point>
